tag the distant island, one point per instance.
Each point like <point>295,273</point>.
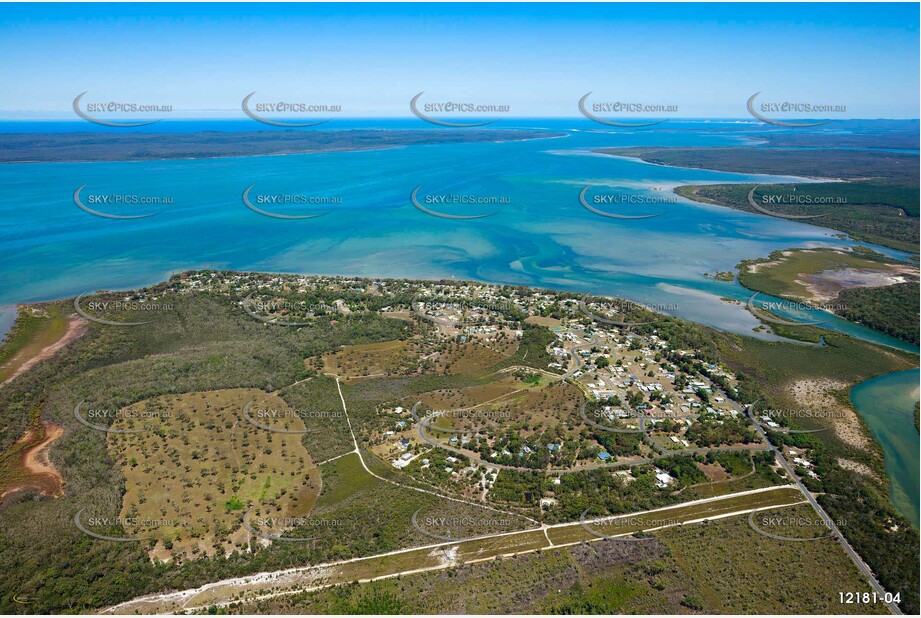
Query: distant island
<point>92,147</point>
<point>874,197</point>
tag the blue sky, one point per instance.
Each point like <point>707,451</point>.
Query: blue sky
<point>537,58</point>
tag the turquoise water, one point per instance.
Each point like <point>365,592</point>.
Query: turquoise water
<point>543,237</point>
<point>49,248</point>
<point>887,404</point>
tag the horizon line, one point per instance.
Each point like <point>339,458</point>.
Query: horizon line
<point>496,120</point>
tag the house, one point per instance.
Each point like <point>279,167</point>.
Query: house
<point>451,459</point>
<point>663,479</point>
<point>604,456</point>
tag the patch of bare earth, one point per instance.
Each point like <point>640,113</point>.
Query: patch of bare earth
<point>824,286</point>
<point>817,395</point>
<point>39,472</point>
<point>859,468</point>
<point>713,472</point>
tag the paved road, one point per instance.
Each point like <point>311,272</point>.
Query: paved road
<point>855,557</point>
<point>361,458</point>
<point>423,423</point>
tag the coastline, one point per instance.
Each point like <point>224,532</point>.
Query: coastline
<point>117,140</point>
<point>885,403</point>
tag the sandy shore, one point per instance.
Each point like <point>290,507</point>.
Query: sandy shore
<point>76,327</point>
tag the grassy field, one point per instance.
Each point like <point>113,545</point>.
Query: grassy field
<point>373,359</point>
<point>202,468</point>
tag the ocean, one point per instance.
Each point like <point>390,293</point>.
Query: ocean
<point>541,235</point>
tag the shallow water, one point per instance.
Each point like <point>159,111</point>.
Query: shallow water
<point>543,237</point>
<point>7,319</point>
<point>887,404</point>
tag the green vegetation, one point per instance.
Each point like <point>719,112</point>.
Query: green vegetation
<point>892,309</point>
<point>724,275</point>
<point>816,275</point>
<point>35,328</point>
<point>769,371</point>
<point>880,213</point>
<point>58,147</point>
<point>206,343</point>
<point>719,567</point>
<point>896,168</point>
<point>789,273</point>
<point>882,536</point>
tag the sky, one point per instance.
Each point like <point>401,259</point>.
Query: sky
<point>538,59</point>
